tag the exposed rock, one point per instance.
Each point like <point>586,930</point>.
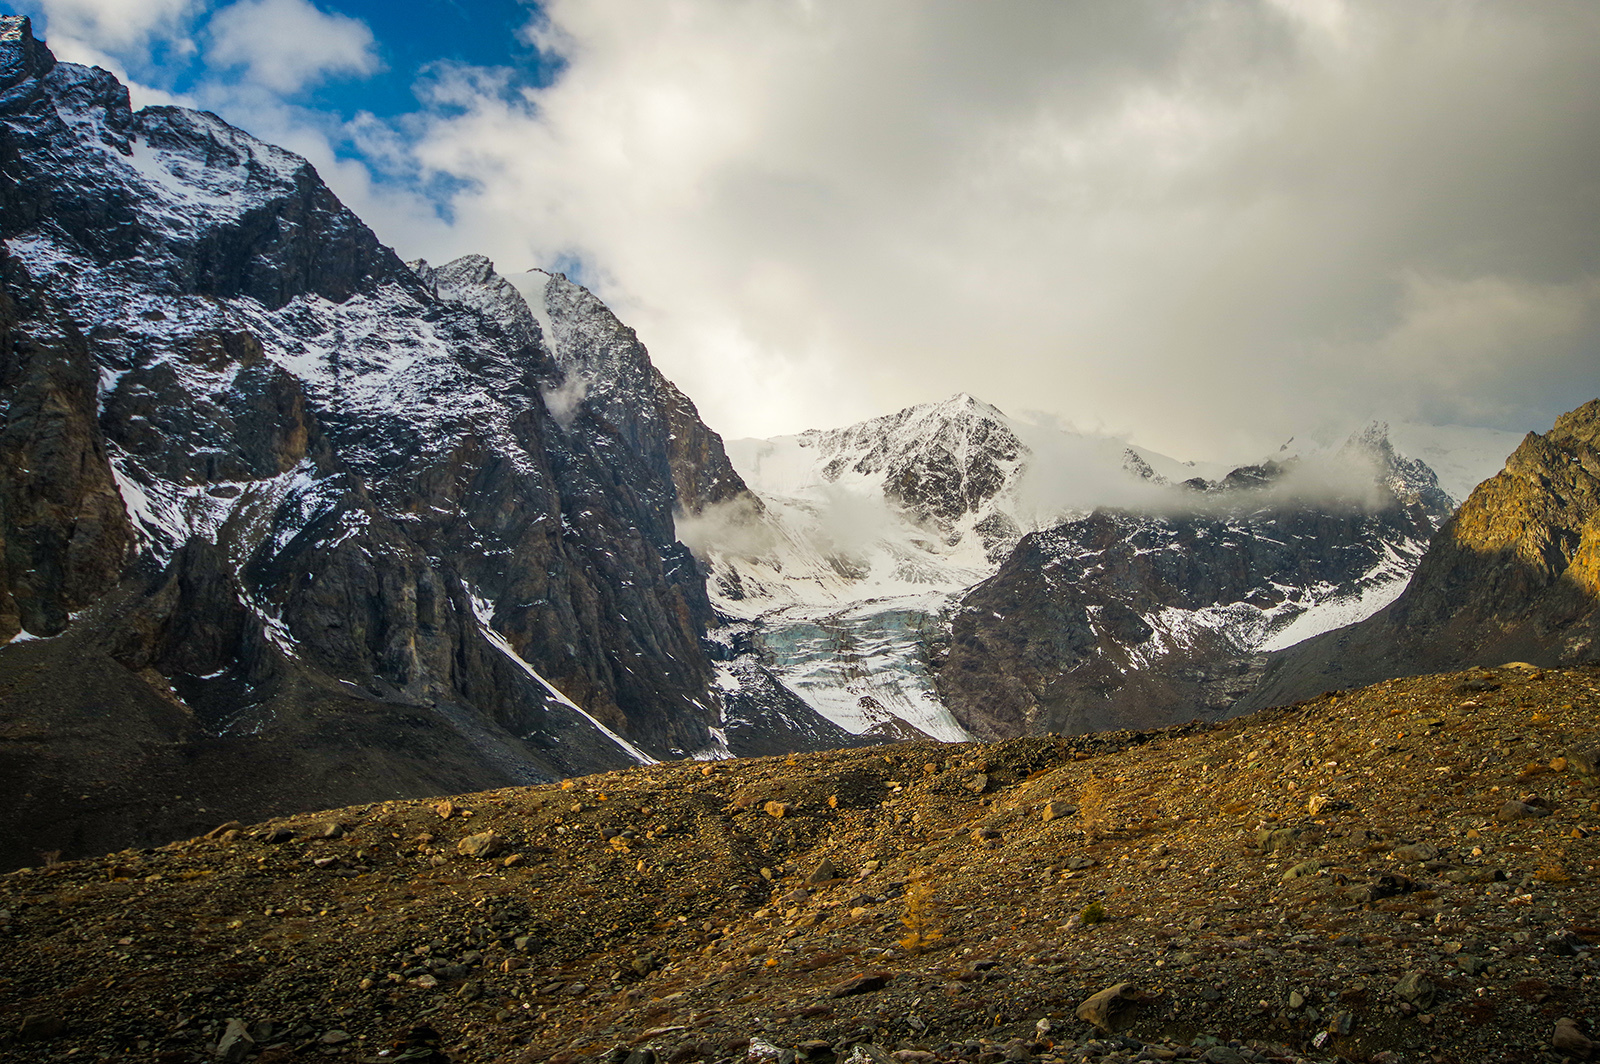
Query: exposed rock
<point>1569,1039</point>
<point>483,845</point>
<point>1514,575</point>
<point>1064,637</point>
<point>1110,1008</point>
<point>270,474</point>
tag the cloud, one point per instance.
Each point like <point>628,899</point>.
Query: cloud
<point>1206,227</point>
<point>114,25</point>
<point>288,45</point>
<point>1196,224</point>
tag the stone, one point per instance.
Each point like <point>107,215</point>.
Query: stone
<point>867,1053</point>
<point>330,830</point>
<point>235,1043</point>
<point>826,872</point>
<point>446,809</point>
<point>1078,864</point>
<point>778,809</point>
<point>335,1037</point>
<point>984,834</point>
<point>1415,989</point>
<point>1111,1007</point>
<point>1273,839</point>
<point>483,845</point>
<point>1568,1039</point>
<point>1296,999</point>
<point>1222,1055</point>
<point>1057,810</point>
<point>978,783</point>
<point>222,829</point>
<point>860,984</point>
<point>1515,810</point>
<point>1414,853</point>
<point>40,1028</point>
<point>1304,868</point>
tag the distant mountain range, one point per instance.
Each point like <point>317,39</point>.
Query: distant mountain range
<point>288,523</point>
<point>947,569</point>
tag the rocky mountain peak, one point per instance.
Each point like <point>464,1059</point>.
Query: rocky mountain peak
<point>1513,575</point>
<point>302,524</point>
<point>21,54</point>
<point>941,461</point>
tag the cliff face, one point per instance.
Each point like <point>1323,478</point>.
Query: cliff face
<point>296,523</point>
<point>1128,619</point>
<point>1514,575</point>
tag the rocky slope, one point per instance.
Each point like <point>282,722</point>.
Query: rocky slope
<point>288,523</point>
<point>1515,573</point>
<point>1403,873</point>
<point>1124,619</point>
<point>872,537</point>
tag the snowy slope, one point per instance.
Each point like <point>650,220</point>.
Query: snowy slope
<point>872,534</point>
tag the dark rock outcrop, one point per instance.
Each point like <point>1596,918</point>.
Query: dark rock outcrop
<point>1513,576</point>
<point>306,525</point>
<point>1124,619</point>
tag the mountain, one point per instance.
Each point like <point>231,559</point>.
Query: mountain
<point>285,522</point>
<point>949,570</point>
<point>1514,575</point>
<point>1362,877</point>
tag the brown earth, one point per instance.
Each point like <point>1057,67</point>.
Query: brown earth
<point>1338,878</point>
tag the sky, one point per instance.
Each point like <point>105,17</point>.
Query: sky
<point>1207,226</point>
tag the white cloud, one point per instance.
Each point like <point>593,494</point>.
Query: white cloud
<point>287,45</point>
<point>114,25</point>
<point>1207,226</point>
<point>1182,222</point>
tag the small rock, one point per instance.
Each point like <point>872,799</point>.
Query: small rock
<point>1515,810</point>
<point>1057,810</point>
<point>1415,988</point>
<point>1317,803</point>
<point>277,835</point>
<point>39,1028</point>
<point>867,1053</point>
<point>1470,964</point>
<point>331,830</point>
<point>1078,864</point>
<point>483,845</point>
<point>1110,1007</point>
<point>222,829</point>
<point>984,834</point>
<point>1415,853</point>
<point>978,783</point>
<point>1304,868</point>
<point>335,1037</point>
<point>826,873</point>
<point>1296,999</point>
<point>778,809</point>
<point>1273,839</point>
<point>1222,1055</point>
<point>446,809</point>
<point>860,984</point>
<point>235,1043</point>
<point>1571,1041</point>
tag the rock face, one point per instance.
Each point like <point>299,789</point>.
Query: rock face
<point>1121,619</point>
<point>289,523</point>
<point>1514,575</point>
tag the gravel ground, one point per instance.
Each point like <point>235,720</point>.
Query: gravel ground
<point>1405,872</point>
